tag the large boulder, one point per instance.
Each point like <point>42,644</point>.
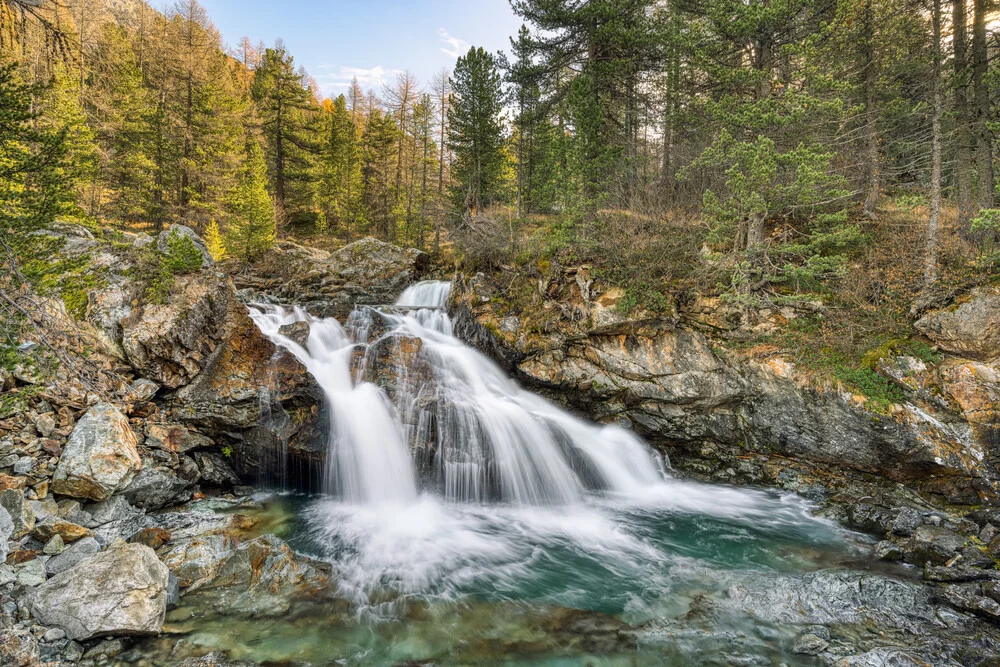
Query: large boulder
<point>368,271</point>
<point>121,591</point>
<point>971,329</point>
<point>100,456</point>
<point>156,487</point>
<point>171,342</point>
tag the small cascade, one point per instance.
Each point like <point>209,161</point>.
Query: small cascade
<point>412,407</point>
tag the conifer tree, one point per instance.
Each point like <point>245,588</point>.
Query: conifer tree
<point>284,105</point>
<point>476,131</point>
<point>252,227</point>
<point>213,241</point>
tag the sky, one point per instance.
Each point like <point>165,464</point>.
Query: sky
<point>371,39</point>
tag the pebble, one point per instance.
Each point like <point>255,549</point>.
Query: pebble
<point>54,635</point>
<point>54,546</point>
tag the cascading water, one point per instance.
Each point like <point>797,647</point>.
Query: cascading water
<point>491,439</point>
<point>447,480</point>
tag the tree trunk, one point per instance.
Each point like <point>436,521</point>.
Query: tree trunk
<point>871,116</point>
<point>963,138</point>
<point>930,261</point>
<point>984,138</point>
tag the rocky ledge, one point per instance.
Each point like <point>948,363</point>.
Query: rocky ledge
<point>922,474</point>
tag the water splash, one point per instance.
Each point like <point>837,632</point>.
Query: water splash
<point>477,435</point>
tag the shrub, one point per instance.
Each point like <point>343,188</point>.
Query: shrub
<point>182,255</point>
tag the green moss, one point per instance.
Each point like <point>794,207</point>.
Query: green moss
<point>881,393</point>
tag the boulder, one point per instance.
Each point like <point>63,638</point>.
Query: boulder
<point>68,531</point>
<point>215,470</point>
<point>249,394</point>
<point>6,530</point>
<point>367,271</point>
<point>20,512</point>
<point>262,576</point>
<point>174,438</point>
<point>971,329</point>
<point>100,456</point>
<point>121,591</point>
<point>78,551</point>
<point>172,342</point>
<point>18,648</point>
<point>156,487</point>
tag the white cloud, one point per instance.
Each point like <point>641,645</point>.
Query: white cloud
<point>456,47</point>
<point>339,76</point>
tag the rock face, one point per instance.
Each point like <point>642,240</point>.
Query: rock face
<point>368,272</point>
<point>663,378</point>
<point>171,342</point>
<point>972,329</point>
<point>121,591</point>
<point>100,456</point>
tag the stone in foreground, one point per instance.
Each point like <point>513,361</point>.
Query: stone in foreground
<point>100,456</point>
<point>121,591</point>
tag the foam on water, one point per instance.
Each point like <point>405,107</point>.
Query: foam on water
<point>511,489</point>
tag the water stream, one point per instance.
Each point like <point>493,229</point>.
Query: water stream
<point>467,520</point>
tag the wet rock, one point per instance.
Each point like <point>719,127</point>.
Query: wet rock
<point>244,374</point>
<point>297,332</point>
<point>958,574</point>
<point>261,577</point>
<point>933,544</point>
<point>156,487</point>
<point>100,456</point>
<point>968,598</point>
<point>972,329</point>
<point>907,521</point>
<point>20,512</point>
<point>809,644</point>
<point>119,591</point>
<point>213,659</point>
<point>197,559</point>
<point>214,469</point>
<point>105,650</point>
<point>870,518</point>
<point>832,597</point>
<point>71,555</point>
<point>889,657</point>
<point>886,550</point>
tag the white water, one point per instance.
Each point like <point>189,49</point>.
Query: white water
<point>492,441</point>
<point>464,481</point>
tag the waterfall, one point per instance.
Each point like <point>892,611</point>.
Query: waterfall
<point>446,418</point>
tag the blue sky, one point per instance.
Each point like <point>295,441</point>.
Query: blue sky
<point>337,39</point>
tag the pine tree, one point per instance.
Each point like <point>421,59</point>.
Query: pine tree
<point>378,142</point>
<point>284,106</point>
<point>33,190</point>
<point>121,109</point>
<point>252,228</point>
<point>476,131</point>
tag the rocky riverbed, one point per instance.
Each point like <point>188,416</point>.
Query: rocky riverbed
<point>128,516</point>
